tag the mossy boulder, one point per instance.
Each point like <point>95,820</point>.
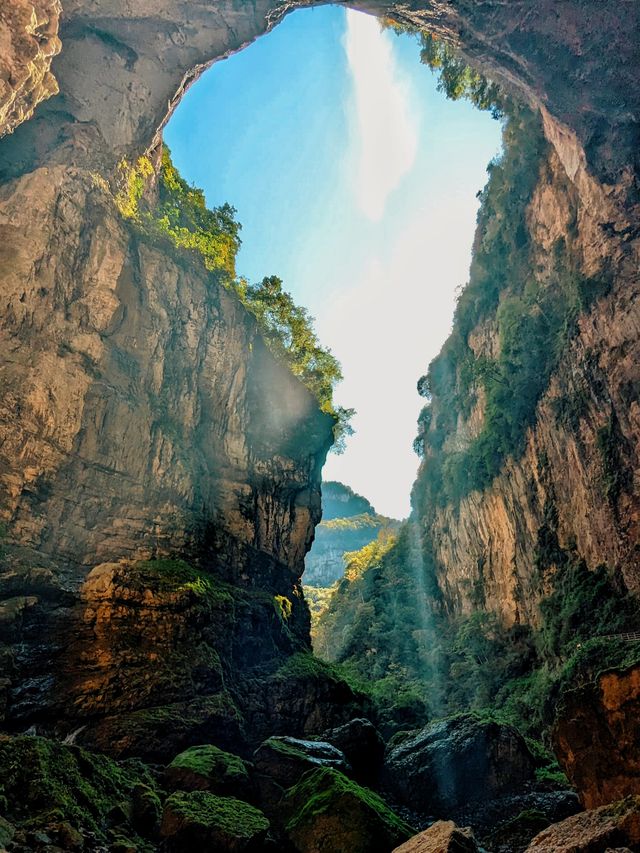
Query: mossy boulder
<point>201,820</point>
<point>157,734</point>
<point>146,810</point>
<point>328,811</point>
<point>286,759</point>
<point>65,790</point>
<point>208,768</point>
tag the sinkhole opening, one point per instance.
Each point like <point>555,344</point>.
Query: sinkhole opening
<point>355,180</point>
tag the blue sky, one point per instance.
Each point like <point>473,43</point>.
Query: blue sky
<point>355,182</point>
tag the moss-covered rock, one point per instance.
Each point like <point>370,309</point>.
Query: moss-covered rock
<point>208,768</point>
<point>66,790</point>
<point>157,734</point>
<point>7,832</point>
<point>286,759</point>
<point>327,811</point>
<point>146,810</point>
<point>224,824</point>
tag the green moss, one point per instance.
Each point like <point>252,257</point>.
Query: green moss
<point>232,817</point>
<point>304,665</point>
<point>44,780</point>
<point>283,607</point>
<point>336,812</point>
<point>212,763</point>
<point>178,576</point>
<point>556,778</point>
<point>286,749</point>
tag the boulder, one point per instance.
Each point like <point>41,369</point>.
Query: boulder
<point>603,829</point>
<point>285,759</point>
<point>456,763</point>
<point>207,768</point>
<point>68,793</point>
<point>362,745</point>
<point>326,811</point>
<point>442,837</point>
<point>200,820</point>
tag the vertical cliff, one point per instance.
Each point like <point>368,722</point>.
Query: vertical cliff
<point>142,417</point>
<point>531,434</point>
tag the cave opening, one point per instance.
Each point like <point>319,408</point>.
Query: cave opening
<point>355,181</point>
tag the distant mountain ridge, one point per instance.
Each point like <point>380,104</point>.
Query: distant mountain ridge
<point>349,522</point>
<point>340,501</point>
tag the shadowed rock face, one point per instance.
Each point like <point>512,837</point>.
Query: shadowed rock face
<point>123,68</point>
<point>436,770</point>
<point>596,738</point>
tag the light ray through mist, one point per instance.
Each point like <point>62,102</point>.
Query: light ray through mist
<point>384,134</point>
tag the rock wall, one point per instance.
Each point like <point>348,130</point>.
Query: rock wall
<point>141,413</point>
<point>596,738</point>
<point>562,486</point>
<point>28,42</point>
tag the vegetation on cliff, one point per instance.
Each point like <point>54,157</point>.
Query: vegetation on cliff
<point>177,213</point>
<point>386,625</point>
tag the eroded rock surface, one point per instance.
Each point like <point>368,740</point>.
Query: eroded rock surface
<point>610,827</point>
<point>596,737</point>
<point>442,837</point>
<point>28,42</point>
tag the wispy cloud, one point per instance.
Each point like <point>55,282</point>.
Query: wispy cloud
<point>385,138</point>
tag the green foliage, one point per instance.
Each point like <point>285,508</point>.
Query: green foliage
<point>283,607</point>
<point>534,317</point>
<point>317,597</point>
<point>288,331</point>
<point>456,78</point>
<point>180,216</point>
<point>167,575</point>
<point>355,522</point>
<point>383,622</point>
<point>305,666</point>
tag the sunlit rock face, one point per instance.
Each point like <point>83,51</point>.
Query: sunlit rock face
<point>28,42</point>
<point>141,413</point>
<point>596,738</point>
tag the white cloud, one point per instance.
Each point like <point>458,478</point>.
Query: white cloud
<point>384,136</point>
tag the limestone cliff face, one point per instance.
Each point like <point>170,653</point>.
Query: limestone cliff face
<point>28,42</point>
<point>141,417</point>
<point>141,413</point>
<point>575,482</point>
